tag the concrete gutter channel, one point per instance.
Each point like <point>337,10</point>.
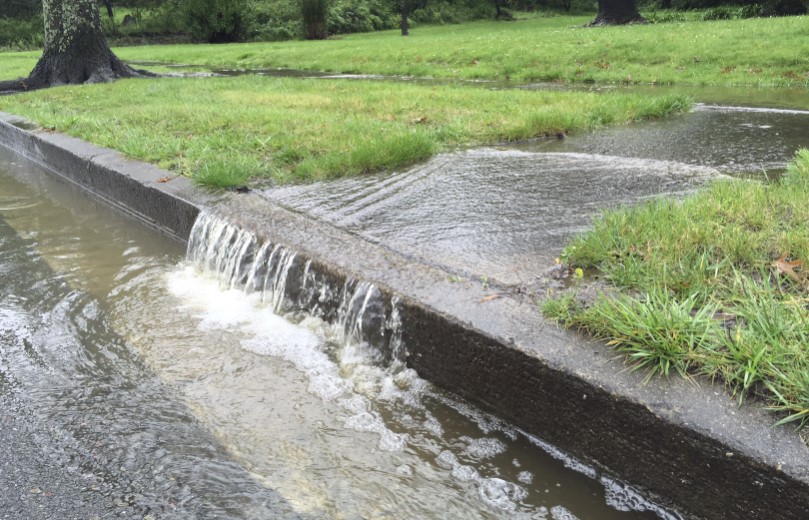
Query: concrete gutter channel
<point>687,446</point>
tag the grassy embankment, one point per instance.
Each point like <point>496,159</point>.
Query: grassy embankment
<point>224,131</point>
<point>290,130</point>
<point>716,284</point>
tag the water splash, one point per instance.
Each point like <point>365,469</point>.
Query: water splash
<point>251,284</point>
<point>370,323</point>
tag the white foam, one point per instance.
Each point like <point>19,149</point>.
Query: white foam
<point>722,108</point>
<point>501,494</point>
<point>626,498</point>
<point>484,448</point>
<point>525,477</point>
<point>495,492</point>
<point>560,513</point>
<point>265,333</point>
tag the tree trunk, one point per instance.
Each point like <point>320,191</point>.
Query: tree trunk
<point>617,12</point>
<point>76,50</point>
<point>403,9</point>
<point>108,5</point>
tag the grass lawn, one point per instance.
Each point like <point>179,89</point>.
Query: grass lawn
<point>762,52</point>
<point>226,131</point>
<point>716,284</point>
<point>771,51</point>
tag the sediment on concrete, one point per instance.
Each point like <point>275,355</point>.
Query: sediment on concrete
<point>687,445</point>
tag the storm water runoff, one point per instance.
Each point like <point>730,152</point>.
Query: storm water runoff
<point>184,385</point>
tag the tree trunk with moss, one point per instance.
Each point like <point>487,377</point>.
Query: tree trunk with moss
<point>76,50</point>
<point>617,12</point>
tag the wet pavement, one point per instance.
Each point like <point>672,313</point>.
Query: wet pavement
<point>504,213</point>
<point>32,484</point>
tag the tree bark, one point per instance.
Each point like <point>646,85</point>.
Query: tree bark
<point>617,12</point>
<point>108,5</point>
<point>76,50</point>
<point>404,11</point>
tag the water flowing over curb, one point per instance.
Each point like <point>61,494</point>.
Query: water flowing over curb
<point>689,446</point>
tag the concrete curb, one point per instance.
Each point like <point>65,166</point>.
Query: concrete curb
<point>688,446</point>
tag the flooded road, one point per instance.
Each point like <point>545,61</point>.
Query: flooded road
<point>163,392</point>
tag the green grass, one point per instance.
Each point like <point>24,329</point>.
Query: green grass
<point>715,284</point>
<point>227,131</point>
<point>761,52</point>
<point>734,52</point>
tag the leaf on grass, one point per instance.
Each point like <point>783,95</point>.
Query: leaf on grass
<point>784,266</point>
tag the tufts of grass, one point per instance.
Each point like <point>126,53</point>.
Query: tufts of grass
<point>657,332</point>
<point>729,280</point>
<point>229,131</point>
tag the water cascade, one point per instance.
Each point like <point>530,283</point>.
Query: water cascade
<point>286,282</point>
<point>367,368</point>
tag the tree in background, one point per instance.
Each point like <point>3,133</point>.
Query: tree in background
<point>20,8</point>
<point>213,21</point>
<point>315,15</point>
<point>500,12</point>
<point>404,12</point>
<point>76,50</point>
<point>617,12</point>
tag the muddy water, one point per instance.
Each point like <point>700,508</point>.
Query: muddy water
<point>739,141</point>
<point>172,395</point>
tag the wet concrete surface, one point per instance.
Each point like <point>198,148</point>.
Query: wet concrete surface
<point>500,214</point>
<point>681,442</point>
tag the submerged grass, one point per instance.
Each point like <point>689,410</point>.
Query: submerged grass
<point>715,284</point>
<point>227,131</point>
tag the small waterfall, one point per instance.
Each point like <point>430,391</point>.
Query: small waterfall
<point>289,282</point>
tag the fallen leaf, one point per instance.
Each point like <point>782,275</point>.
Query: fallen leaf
<point>784,266</point>
<point>164,179</point>
<point>490,298</point>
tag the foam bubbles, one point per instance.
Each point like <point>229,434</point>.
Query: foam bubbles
<point>501,494</point>
<point>494,492</point>
<point>267,334</point>
<point>485,448</point>
<point>561,513</point>
<point>626,498</point>
<point>525,477</point>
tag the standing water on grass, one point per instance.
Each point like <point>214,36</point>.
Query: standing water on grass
<point>173,391</point>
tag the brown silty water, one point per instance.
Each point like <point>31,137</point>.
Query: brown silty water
<point>176,393</point>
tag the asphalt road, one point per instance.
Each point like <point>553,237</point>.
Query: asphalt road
<point>33,485</point>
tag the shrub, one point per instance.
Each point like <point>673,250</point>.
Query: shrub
<point>22,34</point>
<point>213,21</point>
<point>353,16</point>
